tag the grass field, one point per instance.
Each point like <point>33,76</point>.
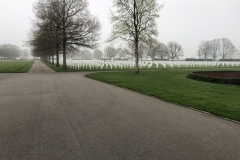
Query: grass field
<point>15,66</point>
<point>172,85</point>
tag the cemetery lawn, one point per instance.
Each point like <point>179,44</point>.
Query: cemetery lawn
<point>59,69</point>
<point>172,85</point>
<point>18,66</point>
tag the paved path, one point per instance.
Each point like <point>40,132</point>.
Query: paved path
<point>39,67</point>
<point>66,116</point>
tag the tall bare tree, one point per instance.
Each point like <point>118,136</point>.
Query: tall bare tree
<point>121,53</point>
<point>142,49</point>
<point>227,48</point>
<point>163,50</point>
<point>153,48</point>
<point>204,49</point>
<point>24,53</point>
<point>174,50</point>
<point>215,47</point>
<point>134,20</point>
<point>110,52</point>
<point>73,22</point>
<point>98,54</point>
<point>87,54</point>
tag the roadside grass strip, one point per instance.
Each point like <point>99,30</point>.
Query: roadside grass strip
<point>172,85</point>
<point>15,66</point>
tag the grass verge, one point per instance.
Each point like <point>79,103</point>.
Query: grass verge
<point>15,66</point>
<point>172,85</point>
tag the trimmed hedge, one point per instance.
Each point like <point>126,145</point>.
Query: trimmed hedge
<point>201,77</point>
<point>229,59</point>
<point>199,59</point>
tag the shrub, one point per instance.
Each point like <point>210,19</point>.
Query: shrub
<point>203,76</point>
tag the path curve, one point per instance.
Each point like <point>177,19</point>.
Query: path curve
<point>67,116</point>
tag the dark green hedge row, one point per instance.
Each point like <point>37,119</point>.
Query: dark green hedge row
<point>198,76</point>
<point>229,59</point>
<point>194,59</point>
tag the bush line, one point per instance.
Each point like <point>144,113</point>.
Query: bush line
<point>199,77</point>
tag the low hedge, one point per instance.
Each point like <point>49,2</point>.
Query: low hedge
<point>229,59</point>
<point>201,77</point>
<point>199,59</point>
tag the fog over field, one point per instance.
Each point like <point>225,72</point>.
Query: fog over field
<point>187,22</point>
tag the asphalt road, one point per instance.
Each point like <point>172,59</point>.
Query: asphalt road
<point>67,116</point>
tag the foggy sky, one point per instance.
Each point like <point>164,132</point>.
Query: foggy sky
<point>187,22</point>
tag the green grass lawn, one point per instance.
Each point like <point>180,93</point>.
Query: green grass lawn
<point>172,85</point>
<point>15,66</point>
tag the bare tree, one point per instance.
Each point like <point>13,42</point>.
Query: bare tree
<point>163,50</point>
<point>142,49</point>
<point>24,54</point>
<point>174,50</point>
<point>87,54</point>
<point>110,52</point>
<point>98,54</point>
<point>153,48</point>
<point>134,20</point>
<point>42,42</point>
<point>128,52</point>
<point>80,54</point>
<point>227,48</point>
<point>76,26</point>
<point>215,47</point>
<point>121,53</point>
<point>72,53</point>
<point>47,21</point>
<point>204,49</point>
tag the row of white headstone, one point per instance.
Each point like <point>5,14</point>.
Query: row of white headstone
<point>100,64</point>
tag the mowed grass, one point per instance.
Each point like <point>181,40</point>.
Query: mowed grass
<point>172,85</point>
<point>15,66</point>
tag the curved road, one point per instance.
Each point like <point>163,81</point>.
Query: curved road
<point>67,116</point>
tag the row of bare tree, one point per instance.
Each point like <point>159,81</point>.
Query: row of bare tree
<point>62,26</point>
<point>153,49</point>
<point>215,48</point>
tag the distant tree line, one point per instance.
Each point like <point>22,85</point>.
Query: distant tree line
<point>62,26</point>
<point>217,48</point>
<point>152,49</point>
<point>9,51</point>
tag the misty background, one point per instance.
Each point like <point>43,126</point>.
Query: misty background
<point>187,22</point>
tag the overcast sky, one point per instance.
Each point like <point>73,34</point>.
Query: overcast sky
<point>187,22</point>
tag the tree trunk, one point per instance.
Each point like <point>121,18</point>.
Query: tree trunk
<point>136,58</point>
<point>52,59</point>
<point>64,56</point>
<point>64,39</point>
<point>57,53</point>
